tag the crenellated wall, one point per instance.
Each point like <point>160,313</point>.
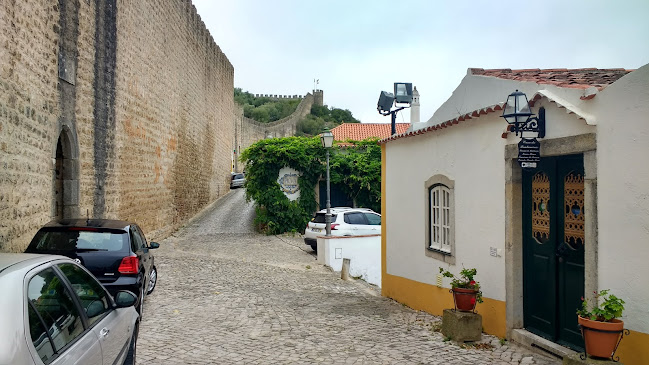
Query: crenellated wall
<point>249,131</point>
<point>110,108</point>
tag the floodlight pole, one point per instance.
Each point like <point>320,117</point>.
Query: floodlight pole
<point>393,113</point>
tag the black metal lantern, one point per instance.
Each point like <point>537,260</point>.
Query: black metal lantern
<point>517,113</point>
<point>517,109</point>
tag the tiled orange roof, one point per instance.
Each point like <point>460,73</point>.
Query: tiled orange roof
<point>580,78</point>
<point>361,131</point>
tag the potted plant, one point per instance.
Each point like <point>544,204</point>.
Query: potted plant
<point>466,291</point>
<point>599,324</point>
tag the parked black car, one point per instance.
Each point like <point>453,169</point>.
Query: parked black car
<point>115,251</point>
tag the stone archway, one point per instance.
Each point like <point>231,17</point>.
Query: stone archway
<point>65,202</point>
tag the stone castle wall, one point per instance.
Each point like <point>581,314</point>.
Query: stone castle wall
<point>110,109</point>
<point>249,131</point>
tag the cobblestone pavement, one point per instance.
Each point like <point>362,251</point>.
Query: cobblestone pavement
<point>229,296</point>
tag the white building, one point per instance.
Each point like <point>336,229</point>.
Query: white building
<point>540,240</point>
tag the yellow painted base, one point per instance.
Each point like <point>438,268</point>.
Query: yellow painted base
<point>634,349</point>
<point>434,300</point>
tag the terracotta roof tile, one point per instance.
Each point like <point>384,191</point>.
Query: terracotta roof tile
<point>580,78</point>
<point>361,131</point>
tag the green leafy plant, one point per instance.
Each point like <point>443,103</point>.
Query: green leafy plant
<point>607,307</point>
<point>356,167</point>
<point>466,280</point>
<point>275,212</point>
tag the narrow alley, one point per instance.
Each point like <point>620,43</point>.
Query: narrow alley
<point>227,295</point>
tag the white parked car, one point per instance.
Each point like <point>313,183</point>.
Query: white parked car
<point>344,222</point>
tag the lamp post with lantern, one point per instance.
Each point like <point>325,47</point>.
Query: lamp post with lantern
<point>327,139</point>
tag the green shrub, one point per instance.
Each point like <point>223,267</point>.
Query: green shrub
<point>357,168</point>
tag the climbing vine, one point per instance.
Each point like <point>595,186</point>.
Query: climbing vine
<point>357,166</point>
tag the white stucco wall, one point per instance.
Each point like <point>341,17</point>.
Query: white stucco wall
<point>472,155</point>
<point>364,253</point>
<point>623,193</point>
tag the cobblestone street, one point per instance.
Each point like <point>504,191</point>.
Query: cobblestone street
<point>229,296</point>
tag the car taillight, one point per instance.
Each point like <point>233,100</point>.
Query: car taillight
<point>129,265</point>
<point>334,226</point>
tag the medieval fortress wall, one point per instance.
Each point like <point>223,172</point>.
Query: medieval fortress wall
<point>110,109</point>
<point>249,131</point>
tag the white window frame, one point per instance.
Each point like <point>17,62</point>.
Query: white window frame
<point>440,218</point>
<point>439,210</point>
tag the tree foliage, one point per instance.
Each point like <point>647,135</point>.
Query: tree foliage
<point>357,167</point>
<point>323,117</point>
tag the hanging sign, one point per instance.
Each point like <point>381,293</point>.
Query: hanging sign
<point>529,153</point>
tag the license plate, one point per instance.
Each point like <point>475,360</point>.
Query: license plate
<point>317,230</point>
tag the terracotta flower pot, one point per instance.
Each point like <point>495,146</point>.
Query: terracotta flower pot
<point>598,343</point>
<point>465,299</point>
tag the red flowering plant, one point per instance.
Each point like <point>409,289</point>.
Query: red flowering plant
<point>465,280</point>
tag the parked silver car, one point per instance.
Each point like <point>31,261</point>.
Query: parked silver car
<point>55,312</point>
<point>238,180</point>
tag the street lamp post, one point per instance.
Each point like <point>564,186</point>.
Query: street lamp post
<point>327,139</point>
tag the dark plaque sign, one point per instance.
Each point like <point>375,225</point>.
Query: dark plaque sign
<point>529,153</point>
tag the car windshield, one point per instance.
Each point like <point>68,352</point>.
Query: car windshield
<point>79,240</point>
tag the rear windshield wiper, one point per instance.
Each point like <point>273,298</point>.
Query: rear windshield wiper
<point>91,249</point>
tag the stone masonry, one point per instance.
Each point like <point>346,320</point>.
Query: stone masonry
<point>110,108</point>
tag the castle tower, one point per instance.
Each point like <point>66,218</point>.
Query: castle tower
<point>318,97</point>
<point>414,107</point>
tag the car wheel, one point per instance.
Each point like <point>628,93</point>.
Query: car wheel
<point>314,248</point>
<point>153,279</point>
<point>132,349</point>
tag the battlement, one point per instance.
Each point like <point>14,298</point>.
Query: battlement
<point>278,97</point>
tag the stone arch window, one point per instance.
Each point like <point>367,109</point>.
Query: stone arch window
<point>65,202</point>
<point>440,218</point>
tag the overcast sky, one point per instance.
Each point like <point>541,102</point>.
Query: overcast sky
<point>356,48</point>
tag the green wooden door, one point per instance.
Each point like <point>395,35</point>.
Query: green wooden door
<point>553,248</point>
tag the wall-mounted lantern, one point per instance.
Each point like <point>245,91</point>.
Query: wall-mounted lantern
<point>402,95</point>
<point>518,114</point>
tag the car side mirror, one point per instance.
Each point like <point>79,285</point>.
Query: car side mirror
<point>125,298</point>
<point>154,245</point>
